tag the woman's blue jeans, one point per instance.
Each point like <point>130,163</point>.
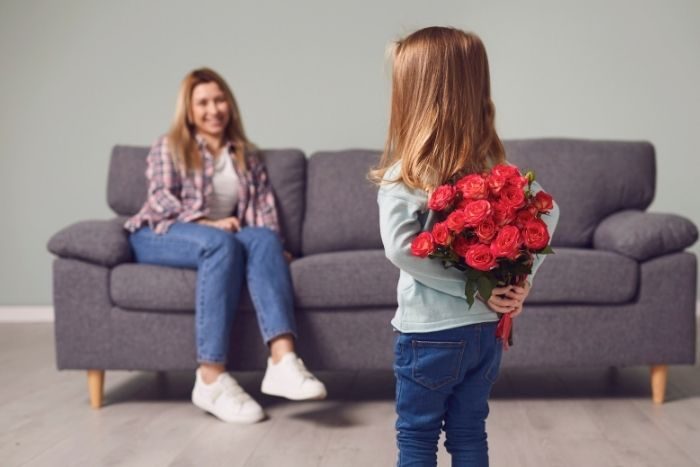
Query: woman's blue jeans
<point>222,260</point>
<point>443,382</point>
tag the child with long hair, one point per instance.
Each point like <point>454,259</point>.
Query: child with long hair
<point>447,356</point>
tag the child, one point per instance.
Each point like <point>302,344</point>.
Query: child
<point>447,357</point>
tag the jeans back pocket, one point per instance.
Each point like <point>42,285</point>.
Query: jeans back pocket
<point>436,364</point>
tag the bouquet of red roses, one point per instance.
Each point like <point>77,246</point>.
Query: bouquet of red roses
<point>489,226</point>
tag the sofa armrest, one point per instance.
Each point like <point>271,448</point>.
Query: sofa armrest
<point>644,235</point>
<point>103,242</point>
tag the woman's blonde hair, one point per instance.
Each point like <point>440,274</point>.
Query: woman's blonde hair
<point>181,137</point>
<point>442,116</point>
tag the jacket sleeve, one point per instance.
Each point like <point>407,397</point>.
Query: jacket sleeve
<point>265,205</point>
<point>164,182</point>
<point>398,225</point>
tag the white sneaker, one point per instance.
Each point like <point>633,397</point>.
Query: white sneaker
<point>225,399</point>
<point>289,378</point>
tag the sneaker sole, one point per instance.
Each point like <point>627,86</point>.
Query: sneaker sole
<point>294,397</point>
<point>253,418</point>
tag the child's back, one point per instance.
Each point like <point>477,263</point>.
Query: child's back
<point>447,355</point>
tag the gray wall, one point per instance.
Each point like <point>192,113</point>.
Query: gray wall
<point>79,76</point>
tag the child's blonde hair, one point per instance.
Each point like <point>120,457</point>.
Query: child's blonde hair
<point>442,116</point>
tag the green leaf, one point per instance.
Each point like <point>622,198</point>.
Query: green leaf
<point>470,290</point>
<point>470,299</point>
<point>485,287</point>
<point>547,250</point>
<point>473,274</point>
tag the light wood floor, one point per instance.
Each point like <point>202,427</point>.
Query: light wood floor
<point>591,418</point>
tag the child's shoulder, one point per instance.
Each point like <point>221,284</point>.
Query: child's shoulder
<point>392,186</point>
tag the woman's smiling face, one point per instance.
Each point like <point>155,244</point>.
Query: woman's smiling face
<point>210,110</point>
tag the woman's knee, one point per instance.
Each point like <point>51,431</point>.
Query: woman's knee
<point>223,242</point>
<point>250,236</point>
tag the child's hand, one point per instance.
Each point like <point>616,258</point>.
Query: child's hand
<point>519,294</point>
<point>517,311</point>
<point>500,302</point>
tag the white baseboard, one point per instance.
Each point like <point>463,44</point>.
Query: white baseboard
<point>26,314</point>
<point>44,314</point>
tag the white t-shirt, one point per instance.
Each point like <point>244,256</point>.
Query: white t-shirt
<point>224,196</point>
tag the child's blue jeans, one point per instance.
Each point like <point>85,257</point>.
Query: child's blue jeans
<point>223,260</point>
<point>443,382</point>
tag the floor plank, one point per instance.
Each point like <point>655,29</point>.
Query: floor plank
<point>575,417</point>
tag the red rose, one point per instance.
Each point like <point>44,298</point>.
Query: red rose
<point>480,257</point>
<point>536,235</point>
<point>496,183</point>
<point>423,245</point>
<point>506,170</point>
<point>513,196</point>
<point>441,234</point>
<point>456,221</point>
<point>442,197</point>
<point>473,186</point>
<point>476,212</point>
<point>519,181</point>
<point>507,243</point>
<point>486,230</point>
<point>462,245</point>
<point>503,214</point>
<point>543,201</point>
<point>524,216</point>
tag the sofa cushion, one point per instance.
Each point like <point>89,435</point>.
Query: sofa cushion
<point>578,275</point>
<point>362,278</point>
<point>644,235</point>
<point>157,288</point>
<point>589,180</point>
<point>365,278</point>
<point>127,186</point>
<point>341,204</point>
<point>103,242</point>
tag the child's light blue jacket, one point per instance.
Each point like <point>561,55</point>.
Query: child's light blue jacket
<point>430,297</point>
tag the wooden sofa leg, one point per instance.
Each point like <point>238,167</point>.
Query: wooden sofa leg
<point>96,380</point>
<point>659,374</point>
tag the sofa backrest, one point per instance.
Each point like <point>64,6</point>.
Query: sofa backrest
<point>341,204</point>
<point>127,186</point>
<point>338,205</point>
<point>589,180</point>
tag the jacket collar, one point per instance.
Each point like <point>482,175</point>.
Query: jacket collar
<point>202,144</point>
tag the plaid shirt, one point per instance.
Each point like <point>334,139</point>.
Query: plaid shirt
<point>176,197</point>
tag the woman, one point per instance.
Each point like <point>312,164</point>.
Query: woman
<point>210,207</point>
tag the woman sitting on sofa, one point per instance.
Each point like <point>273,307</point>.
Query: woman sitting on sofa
<point>210,207</point>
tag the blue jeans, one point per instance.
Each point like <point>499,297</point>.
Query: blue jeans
<point>443,381</point>
<point>222,260</point>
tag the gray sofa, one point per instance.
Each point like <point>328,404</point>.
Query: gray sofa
<point>619,291</point>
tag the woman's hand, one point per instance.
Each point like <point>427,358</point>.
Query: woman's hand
<point>230,224</point>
